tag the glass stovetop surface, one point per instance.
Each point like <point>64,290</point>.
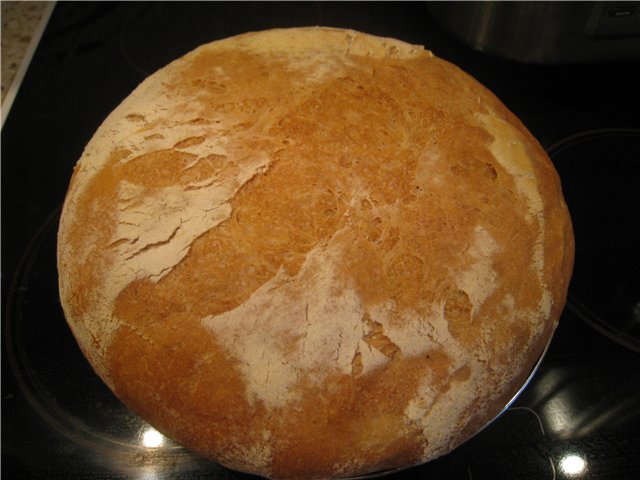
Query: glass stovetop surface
<point>578,418</point>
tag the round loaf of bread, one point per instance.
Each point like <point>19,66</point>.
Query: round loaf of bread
<point>314,253</point>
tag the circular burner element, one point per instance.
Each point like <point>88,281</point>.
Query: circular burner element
<point>60,385</point>
<point>600,172</point>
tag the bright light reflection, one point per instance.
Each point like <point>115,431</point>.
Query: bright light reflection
<point>151,438</point>
<point>573,464</point>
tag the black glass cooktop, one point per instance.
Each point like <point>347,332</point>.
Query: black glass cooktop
<point>604,199</point>
<point>578,418</point>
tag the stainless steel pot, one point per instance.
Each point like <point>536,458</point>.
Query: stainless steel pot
<point>545,32</point>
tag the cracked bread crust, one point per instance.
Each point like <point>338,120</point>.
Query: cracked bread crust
<point>314,253</point>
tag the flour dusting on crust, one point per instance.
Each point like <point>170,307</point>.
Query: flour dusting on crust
<point>313,236</point>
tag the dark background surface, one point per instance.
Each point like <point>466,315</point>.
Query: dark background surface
<point>59,421</point>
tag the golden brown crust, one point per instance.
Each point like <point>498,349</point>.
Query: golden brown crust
<point>311,237</point>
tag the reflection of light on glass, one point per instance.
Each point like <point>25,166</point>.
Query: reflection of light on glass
<point>151,438</point>
<point>560,414</point>
<point>557,402</point>
<point>573,464</point>
<point>149,473</point>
